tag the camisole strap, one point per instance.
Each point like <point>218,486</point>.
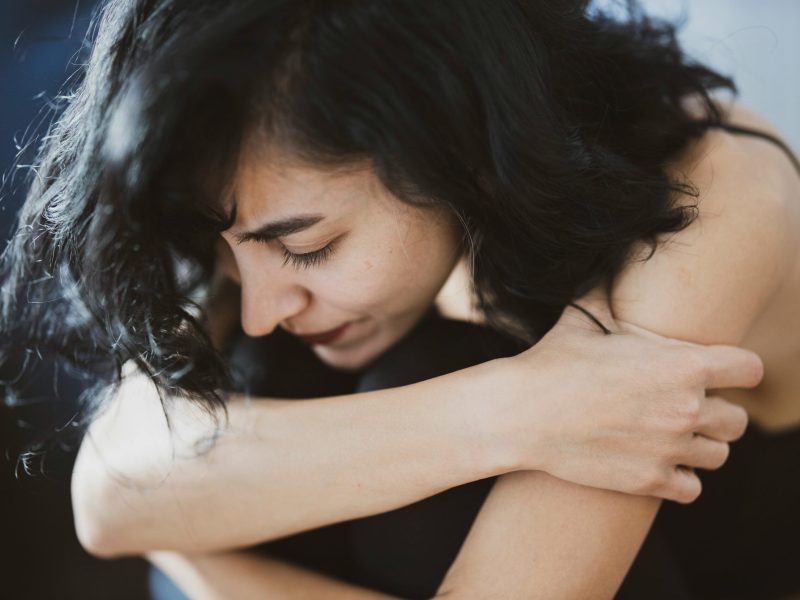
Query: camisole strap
<point>762,134</point>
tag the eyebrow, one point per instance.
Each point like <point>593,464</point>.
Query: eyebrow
<point>279,228</point>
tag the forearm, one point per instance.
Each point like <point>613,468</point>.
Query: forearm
<point>280,467</point>
<point>540,537</point>
<point>244,575</point>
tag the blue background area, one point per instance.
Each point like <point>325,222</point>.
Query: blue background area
<point>38,40</point>
<point>39,43</point>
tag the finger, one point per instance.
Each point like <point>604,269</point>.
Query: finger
<point>731,367</point>
<point>705,453</point>
<point>683,486</point>
<point>721,420</point>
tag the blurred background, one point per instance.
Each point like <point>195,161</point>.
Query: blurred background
<point>41,44</point>
<point>755,42</point>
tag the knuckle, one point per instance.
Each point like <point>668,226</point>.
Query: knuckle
<point>692,366</point>
<point>689,413</point>
<point>693,406</point>
<point>670,453</point>
<point>651,482</point>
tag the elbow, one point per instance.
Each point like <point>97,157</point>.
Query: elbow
<point>97,532</point>
<point>98,515</point>
<point>124,455</point>
<point>96,541</point>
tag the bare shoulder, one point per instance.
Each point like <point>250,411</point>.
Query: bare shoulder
<point>741,159</point>
<point>709,282</point>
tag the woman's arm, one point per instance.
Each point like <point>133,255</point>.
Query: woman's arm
<point>246,575</point>
<point>281,467</point>
<point>540,537</point>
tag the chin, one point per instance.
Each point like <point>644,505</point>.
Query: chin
<point>354,357</point>
<point>344,360</point>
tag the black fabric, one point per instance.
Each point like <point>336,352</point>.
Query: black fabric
<point>405,552</point>
<point>655,573</point>
<point>739,540</point>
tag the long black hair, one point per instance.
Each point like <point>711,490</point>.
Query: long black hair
<point>545,126</point>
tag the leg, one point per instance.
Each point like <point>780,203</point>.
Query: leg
<point>407,552</point>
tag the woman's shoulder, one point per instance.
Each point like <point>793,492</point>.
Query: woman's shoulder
<point>708,282</point>
<point>748,183</point>
<point>737,168</point>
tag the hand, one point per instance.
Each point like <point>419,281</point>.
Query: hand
<point>627,411</point>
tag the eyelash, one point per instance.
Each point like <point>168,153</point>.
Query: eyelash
<point>309,259</point>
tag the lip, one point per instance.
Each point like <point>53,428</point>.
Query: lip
<point>324,337</point>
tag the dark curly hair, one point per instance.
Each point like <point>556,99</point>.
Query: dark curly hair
<point>545,126</point>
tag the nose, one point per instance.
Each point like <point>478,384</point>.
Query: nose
<point>270,295</point>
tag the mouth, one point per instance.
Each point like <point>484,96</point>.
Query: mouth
<point>325,337</point>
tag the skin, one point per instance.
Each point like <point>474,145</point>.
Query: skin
<point>588,531</point>
<point>749,192</point>
<point>387,263</point>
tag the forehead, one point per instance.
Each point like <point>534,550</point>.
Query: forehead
<point>270,183</point>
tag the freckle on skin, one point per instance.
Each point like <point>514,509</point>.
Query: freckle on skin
<point>367,264</point>
<point>685,275</point>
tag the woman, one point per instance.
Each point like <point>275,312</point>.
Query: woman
<point>349,153</point>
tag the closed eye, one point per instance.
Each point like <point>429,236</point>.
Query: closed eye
<point>307,259</point>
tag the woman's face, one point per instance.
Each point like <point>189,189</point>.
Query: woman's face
<point>334,253</point>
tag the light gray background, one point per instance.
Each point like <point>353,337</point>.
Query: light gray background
<point>755,42</point>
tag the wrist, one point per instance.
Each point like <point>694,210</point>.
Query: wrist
<point>503,432</point>
<point>520,415</point>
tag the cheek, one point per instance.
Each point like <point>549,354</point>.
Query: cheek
<point>394,282</point>
<point>362,285</point>
<point>397,268</point>
<point>369,286</point>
